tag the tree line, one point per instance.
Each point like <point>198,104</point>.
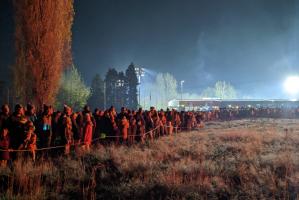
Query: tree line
<point>117,88</point>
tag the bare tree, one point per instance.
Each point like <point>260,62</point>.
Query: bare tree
<point>221,90</point>
<point>224,90</point>
<point>165,89</point>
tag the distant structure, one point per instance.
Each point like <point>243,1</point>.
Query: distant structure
<point>209,104</point>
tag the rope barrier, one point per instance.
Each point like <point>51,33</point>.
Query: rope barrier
<point>63,146</point>
<point>102,137</point>
<point>96,139</point>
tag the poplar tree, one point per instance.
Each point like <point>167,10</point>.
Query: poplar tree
<point>43,48</point>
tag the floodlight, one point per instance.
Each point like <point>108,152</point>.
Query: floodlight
<point>291,85</point>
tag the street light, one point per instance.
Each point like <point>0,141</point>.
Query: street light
<point>139,73</point>
<point>182,82</point>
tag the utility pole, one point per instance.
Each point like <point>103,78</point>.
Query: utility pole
<point>182,82</point>
<point>139,73</point>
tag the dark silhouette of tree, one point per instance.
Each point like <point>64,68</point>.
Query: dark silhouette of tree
<point>121,88</point>
<point>96,99</point>
<point>43,48</point>
<point>131,84</point>
<point>111,81</point>
<point>121,91</point>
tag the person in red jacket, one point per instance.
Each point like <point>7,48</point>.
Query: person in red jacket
<point>87,131</point>
<point>132,128</point>
<point>124,125</point>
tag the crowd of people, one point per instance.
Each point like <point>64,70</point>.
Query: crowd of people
<point>24,130</point>
<point>232,113</point>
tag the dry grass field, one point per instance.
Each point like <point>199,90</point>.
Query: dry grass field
<point>225,160</point>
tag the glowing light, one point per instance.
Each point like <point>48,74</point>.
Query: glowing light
<point>291,85</point>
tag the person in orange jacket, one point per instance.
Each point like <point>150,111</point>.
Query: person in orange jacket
<point>124,125</point>
<point>87,131</point>
<point>30,140</point>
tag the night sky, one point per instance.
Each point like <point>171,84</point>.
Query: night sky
<point>251,43</point>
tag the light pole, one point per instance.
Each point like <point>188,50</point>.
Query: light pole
<point>104,94</point>
<point>139,73</point>
<point>182,82</point>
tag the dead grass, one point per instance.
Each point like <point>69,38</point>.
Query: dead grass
<point>226,160</point>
